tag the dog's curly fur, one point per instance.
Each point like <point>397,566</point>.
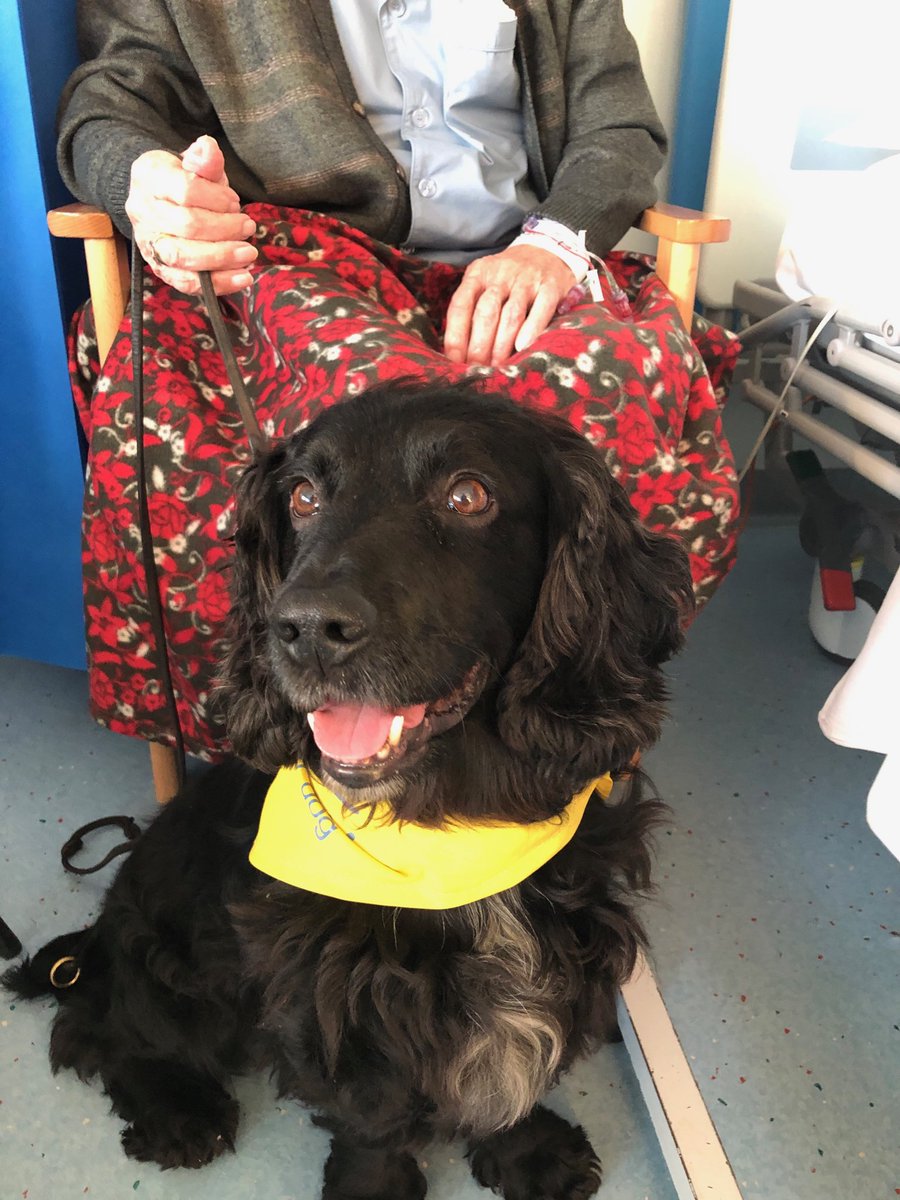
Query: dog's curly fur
<point>399,1025</point>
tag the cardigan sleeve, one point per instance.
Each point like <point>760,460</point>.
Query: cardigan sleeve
<point>135,91</point>
<point>600,171</point>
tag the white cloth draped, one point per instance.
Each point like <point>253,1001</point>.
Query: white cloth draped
<point>863,711</point>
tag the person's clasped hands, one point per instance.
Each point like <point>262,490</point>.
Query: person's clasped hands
<point>187,219</point>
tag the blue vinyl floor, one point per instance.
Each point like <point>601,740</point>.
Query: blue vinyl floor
<point>775,934</point>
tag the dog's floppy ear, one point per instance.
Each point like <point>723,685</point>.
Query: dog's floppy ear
<point>585,689</point>
<point>259,723</point>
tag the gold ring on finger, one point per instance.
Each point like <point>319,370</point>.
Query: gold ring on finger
<point>153,255</point>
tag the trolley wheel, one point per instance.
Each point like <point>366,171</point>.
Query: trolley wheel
<point>842,635</point>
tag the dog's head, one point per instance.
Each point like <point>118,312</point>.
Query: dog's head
<point>445,600</point>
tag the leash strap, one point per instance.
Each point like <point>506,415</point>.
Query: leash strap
<point>76,843</point>
<point>258,443</point>
<point>154,602</point>
<point>255,436</point>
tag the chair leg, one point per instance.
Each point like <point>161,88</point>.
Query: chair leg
<point>677,265</point>
<point>164,764</point>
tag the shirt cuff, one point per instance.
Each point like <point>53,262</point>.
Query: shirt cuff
<point>565,243</point>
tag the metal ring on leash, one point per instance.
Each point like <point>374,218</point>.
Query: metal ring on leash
<point>61,962</point>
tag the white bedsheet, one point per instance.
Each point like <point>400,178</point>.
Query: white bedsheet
<point>863,712</point>
<point>846,245</point>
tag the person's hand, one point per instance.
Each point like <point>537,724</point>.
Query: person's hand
<point>187,219</point>
<point>504,300</point>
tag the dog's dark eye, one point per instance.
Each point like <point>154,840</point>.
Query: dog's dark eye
<point>304,499</point>
<point>469,497</point>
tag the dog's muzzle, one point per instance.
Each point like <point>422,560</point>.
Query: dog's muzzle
<point>322,627</point>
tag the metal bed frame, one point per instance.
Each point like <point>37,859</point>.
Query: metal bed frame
<point>831,358</point>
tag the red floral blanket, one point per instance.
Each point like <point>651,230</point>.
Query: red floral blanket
<point>331,313</point>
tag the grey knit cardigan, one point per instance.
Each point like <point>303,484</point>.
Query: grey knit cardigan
<point>268,79</point>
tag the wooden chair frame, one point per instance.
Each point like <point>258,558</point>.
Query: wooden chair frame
<point>694,1155</point>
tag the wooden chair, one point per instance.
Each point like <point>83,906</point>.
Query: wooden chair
<point>694,1155</point>
<point>680,232</point>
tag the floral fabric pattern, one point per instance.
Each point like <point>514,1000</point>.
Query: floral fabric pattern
<point>333,312</point>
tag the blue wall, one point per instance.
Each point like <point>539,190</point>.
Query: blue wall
<point>40,463</point>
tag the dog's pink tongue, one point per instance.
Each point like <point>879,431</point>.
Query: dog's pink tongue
<point>351,732</point>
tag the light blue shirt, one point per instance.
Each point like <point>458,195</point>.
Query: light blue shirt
<point>441,89</point>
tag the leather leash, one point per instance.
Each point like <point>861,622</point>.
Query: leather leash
<point>258,444</point>
<point>255,436</point>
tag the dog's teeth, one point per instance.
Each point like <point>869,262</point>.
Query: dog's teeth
<point>383,752</point>
<point>396,730</point>
<point>311,718</point>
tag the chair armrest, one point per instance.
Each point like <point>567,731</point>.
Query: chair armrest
<point>106,253</point>
<point>685,225</point>
<point>77,220</point>
<point>680,233</point>
<point>663,220</point>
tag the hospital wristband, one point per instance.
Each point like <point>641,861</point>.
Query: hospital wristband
<point>559,240</point>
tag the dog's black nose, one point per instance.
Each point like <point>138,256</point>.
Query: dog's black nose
<point>323,626</point>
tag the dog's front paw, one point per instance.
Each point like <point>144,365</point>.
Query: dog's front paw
<point>183,1139</point>
<point>541,1158</point>
<point>354,1172</point>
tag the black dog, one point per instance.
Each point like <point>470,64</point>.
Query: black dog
<point>445,557</point>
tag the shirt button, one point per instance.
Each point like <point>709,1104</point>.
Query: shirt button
<point>359,108</point>
<point>420,117</point>
<point>397,8</point>
<point>427,188</point>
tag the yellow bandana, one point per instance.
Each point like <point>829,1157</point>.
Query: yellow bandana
<point>309,839</point>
